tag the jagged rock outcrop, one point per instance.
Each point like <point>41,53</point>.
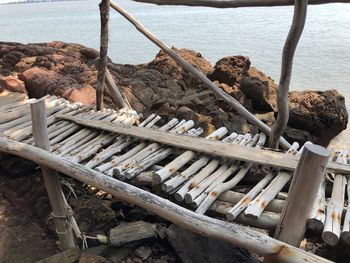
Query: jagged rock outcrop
<point>161,86</point>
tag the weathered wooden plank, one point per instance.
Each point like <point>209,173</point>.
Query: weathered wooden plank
<point>237,152</point>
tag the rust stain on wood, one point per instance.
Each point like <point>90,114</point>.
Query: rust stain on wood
<point>214,194</point>
<point>246,200</point>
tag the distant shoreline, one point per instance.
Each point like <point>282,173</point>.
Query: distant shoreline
<point>39,1</point>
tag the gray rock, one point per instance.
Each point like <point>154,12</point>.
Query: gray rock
<point>143,252</point>
<point>193,248</point>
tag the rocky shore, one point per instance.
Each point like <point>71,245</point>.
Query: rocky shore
<point>161,86</point>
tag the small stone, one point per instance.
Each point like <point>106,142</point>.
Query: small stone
<point>143,252</point>
<point>119,254</point>
<point>99,250</point>
<point>86,258</point>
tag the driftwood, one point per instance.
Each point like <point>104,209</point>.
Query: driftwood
<point>302,192</point>
<point>299,18</point>
<point>236,3</point>
<point>235,234</point>
<point>188,67</point>
<point>231,151</point>
<point>60,213</point>
<point>102,65</point>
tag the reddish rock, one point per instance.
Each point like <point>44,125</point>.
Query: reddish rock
<point>230,70</point>
<point>85,95</point>
<point>38,81</point>
<point>162,87</point>
<point>322,113</point>
<point>167,66</point>
<point>12,84</point>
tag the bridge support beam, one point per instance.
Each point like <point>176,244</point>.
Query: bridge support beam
<point>61,211</point>
<point>302,194</point>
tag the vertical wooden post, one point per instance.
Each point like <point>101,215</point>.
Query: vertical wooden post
<point>302,193</point>
<point>57,199</point>
<point>299,18</point>
<point>102,65</point>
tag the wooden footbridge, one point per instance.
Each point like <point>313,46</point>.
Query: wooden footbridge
<point>188,175</point>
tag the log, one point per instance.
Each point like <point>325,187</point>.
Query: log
<point>179,179</point>
<point>130,232</point>
<point>318,214</point>
<point>114,91</point>
<point>331,231</point>
<point>236,235</point>
<point>230,151</point>
<point>302,193</point>
<point>296,29</point>
<point>53,187</point>
<point>188,67</point>
<point>157,156</point>
<point>184,158</point>
<point>125,142</point>
<point>102,64</point>
<point>150,149</point>
<point>257,206</point>
<point>345,234</point>
<point>219,186</point>
<point>267,221</point>
<point>236,3</point>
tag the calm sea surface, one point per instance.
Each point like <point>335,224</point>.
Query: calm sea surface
<point>322,59</point>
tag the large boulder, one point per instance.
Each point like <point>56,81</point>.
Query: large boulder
<point>194,248</point>
<point>230,70</point>
<point>260,89</point>
<point>40,82</point>
<point>322,113</point>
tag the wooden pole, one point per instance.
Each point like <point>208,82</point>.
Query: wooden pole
<point>299,18</point>
<point>102,65</point>
<point>302,193</point>
<point>60,212</point>
<point>236,235</point>
<point>236,3</point>
<point>189,68</point>
<point>114,91</point>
